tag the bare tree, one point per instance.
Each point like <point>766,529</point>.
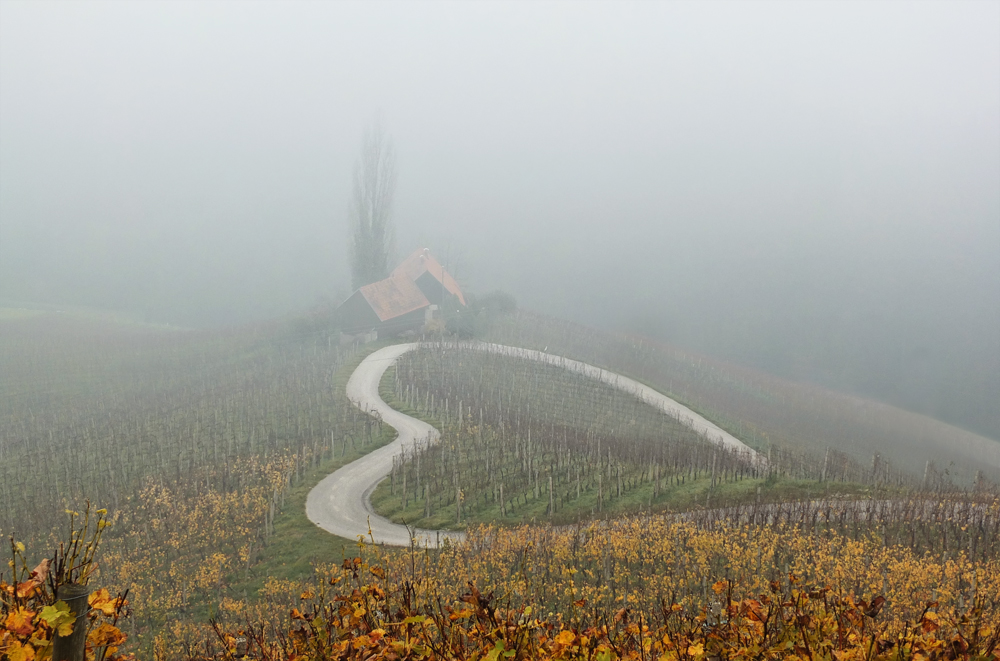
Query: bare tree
<point>371,207</point>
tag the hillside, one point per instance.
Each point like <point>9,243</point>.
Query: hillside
<point>194,441</point>
<point>525,440</point>
<point>765,410</point>
<point>203,444</point>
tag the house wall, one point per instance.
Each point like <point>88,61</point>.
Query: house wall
<point>355,315</point>
<point>413,321</point>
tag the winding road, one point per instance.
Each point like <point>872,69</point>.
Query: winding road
<point>341,502</point>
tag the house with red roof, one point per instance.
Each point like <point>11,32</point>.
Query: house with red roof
<point>405,301</point>
<point>430,277</point>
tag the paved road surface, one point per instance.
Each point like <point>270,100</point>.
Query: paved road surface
<point>340,503</point>
<point>674,409</point>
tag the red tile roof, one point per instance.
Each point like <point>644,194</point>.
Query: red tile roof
<point>421,262</point>
<point>394,296</point>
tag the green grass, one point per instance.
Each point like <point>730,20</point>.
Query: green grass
<point>14,311</point>
<point>298,544</point>
<point>692,495</point>
<point>14,314</point>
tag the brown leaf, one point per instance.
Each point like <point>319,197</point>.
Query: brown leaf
<point>876,606</point>
<point>41,571</point>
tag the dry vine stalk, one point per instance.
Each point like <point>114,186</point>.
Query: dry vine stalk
<point>51,611</point>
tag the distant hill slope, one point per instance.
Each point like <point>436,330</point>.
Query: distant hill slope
<point>764,409</point>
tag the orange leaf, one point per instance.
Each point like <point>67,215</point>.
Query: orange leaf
<point>102,601</point>
<point>27,589</point>
<point>20,622</point>
<point>754,611</point>
<point>106,635</point>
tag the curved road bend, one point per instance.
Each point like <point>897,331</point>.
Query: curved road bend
<point>683,414</point>
<point>341,502</point>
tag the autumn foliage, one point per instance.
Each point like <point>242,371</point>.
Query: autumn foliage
<point>32,614</point>
<point>632,589</point>
<point>640,588</point>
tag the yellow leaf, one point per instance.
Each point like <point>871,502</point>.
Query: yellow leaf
<point>19,652</point>
<point>59,617</point>
<point>566,638</point>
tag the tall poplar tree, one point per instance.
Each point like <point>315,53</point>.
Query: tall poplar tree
<point>372,230</point>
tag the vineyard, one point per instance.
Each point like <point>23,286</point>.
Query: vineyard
<point>908,579</point>
<point>523,440</point>
<point>203,444</point>
<point>911,579</point>
<point>96,412</point>
<point>193,441</point>
<point>764,410</point>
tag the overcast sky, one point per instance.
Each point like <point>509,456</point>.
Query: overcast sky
<point>813,188</point>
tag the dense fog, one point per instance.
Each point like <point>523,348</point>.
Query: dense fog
<point>809,188</point>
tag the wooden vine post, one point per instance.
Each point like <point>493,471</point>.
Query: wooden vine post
<point>71,647</point>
